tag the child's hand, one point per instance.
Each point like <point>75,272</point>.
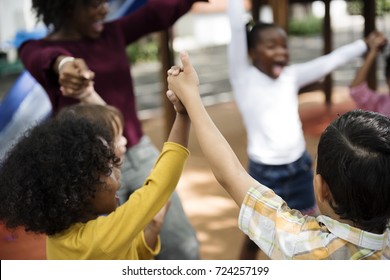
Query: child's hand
<point>183,80</point>
<point>376,41</point>
<point>179,107</point>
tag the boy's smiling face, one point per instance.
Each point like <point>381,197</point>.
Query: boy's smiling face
<point>270,55</point>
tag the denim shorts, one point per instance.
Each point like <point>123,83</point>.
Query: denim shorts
<point>293,182</point>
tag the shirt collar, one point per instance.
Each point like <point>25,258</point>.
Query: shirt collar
<point>354,235</point>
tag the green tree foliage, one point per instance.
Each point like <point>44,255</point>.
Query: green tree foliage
<point>355,7</point>
<point>143,50</point>
<point>308,26</point>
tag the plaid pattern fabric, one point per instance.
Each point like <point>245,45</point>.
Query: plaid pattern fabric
<point>283,233</point>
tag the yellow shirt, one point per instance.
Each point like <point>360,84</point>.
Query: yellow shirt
<point>119,235</point>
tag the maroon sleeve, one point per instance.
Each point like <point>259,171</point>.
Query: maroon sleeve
<point>38,60</point>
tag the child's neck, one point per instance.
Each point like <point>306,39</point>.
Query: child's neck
<point>88,217</point>
<point>328,211</point>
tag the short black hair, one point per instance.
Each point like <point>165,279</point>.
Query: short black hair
<point>354,160</point>
<point>253,30</point>
<point>50,176</point>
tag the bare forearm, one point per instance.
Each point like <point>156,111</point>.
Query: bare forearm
<point>93,98</point>
<point>225,165</point>
<point>184,83</point>
<point>361,74</point>
<point>180,130</point>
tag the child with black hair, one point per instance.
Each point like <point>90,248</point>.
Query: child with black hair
<point>62,177</point>
<point>266,91</point>
<point>365,97</point>
<point>351,184</point>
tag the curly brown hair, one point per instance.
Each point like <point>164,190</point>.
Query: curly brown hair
<point>50,176</point>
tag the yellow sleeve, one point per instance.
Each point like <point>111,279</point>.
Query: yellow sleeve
<point>144,251</point>
<point>116,232</point>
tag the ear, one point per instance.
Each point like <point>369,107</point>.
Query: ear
<point>322,189</point>
<point>251,54</point>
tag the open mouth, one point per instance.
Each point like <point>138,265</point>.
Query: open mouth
<point>277,68</point>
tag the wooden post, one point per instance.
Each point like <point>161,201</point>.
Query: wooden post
<point>167,60</point>
<point>328,46</point>
<point>280,12</point>
<point>369,13</point>
<point>256,5</point>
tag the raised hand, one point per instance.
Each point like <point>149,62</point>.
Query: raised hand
<point>183,80</point>
<point>376,41</point>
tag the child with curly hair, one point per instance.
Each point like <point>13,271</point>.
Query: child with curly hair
<point>61,179</point>
<point>82,46</point>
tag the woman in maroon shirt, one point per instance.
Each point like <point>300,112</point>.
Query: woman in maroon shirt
<point>81,48</point>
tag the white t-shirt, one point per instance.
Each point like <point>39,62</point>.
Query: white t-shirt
<point>269,107</point>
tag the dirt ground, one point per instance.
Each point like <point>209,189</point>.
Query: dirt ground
<point>211,211</point>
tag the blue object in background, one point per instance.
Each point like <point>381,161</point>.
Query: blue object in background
<point>23,35</point>
<point>119,8</point>
<point>25,105</point>
<point>14,97</point>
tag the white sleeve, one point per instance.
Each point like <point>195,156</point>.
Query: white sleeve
<point>237,48</point>
<point>313,70</point>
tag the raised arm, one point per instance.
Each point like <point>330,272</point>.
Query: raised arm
<point>315,69</point>
<point>375,41</point>
<point>224,163</point>
<point>181,127</point>
<point>237,48</point>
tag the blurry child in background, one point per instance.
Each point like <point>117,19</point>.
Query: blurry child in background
<point>364,97</point>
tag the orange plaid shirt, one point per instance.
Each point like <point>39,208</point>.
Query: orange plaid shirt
<point>283,233</point>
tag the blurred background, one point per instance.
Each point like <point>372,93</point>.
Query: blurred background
<point>204,33</point>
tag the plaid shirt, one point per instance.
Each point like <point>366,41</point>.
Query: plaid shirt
<point>283,233</point>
